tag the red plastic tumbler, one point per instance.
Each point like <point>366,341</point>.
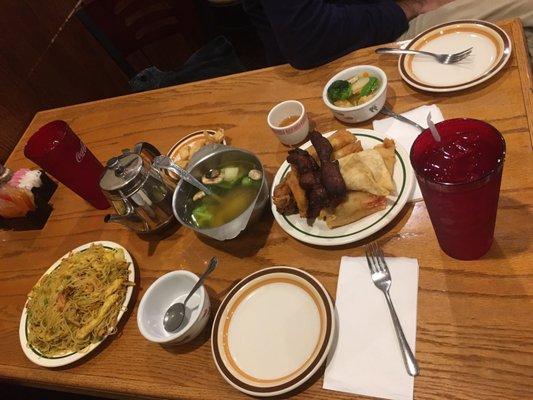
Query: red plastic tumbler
<point>60,152</point>
<point>460,181</point>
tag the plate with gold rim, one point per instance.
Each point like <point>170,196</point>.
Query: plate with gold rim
<point>491,50</point>
<point>273,331</point>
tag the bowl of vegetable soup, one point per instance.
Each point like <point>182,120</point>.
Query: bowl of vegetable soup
<point>356,94</point>
<point>239,192</point>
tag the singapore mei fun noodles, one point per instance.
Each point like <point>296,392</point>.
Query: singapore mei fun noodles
<point>77,303</point>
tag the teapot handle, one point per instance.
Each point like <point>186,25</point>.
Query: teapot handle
<point>145,147</point>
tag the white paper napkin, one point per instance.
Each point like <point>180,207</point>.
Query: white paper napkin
<point>366,359</point>
<point>405,134</point>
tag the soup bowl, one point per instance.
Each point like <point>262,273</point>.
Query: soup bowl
<point>366,110</point>
<point>211,157</point>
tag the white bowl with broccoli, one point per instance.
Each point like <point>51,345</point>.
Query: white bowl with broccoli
<point>356,94</point>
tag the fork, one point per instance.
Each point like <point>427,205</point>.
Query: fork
<point>442,58</point>
<point>381,277</point>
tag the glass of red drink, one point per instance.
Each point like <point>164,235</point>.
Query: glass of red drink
<point>60,152</point>
<point>460,181</point>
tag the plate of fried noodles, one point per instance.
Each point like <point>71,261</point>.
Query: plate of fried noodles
<point>76,304</point>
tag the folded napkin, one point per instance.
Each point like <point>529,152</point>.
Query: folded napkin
<point>406,134</point>
<point>367,359</point>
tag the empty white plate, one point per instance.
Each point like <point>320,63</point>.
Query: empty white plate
<point>273,331</point>
<point>491,49</point>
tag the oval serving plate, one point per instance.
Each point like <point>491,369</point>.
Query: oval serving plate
<point>70,357</point>
<point>491,49</point>
<point>318,233</point>
<point>273,331</point>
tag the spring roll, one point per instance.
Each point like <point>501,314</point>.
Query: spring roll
<point>356,206</point>
<point>348,149</point>
<point>386,150</point>
<point>338,140</point>
<point>298,193</point>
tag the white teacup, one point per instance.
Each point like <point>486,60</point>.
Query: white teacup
<point>294,132</point>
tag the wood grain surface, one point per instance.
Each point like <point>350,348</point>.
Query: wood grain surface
<point>475,330</point>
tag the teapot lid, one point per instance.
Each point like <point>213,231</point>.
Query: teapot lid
<point>123,175</point>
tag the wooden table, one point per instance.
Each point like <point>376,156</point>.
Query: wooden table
<point>475,330</point>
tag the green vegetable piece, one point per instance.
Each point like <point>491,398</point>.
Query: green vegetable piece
<point>339,90</point>
<point>202,216</point>
<point>370,87</point>
<point>247,181</point>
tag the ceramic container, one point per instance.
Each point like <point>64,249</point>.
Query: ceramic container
<point>296,131</point>
<point>364,111</point>
<point>168,289</point>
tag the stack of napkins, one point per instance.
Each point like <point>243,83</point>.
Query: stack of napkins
<point>366,359</point>
<point>405,134</point>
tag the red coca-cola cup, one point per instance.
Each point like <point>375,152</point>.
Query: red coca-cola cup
<point>460,181</point>
<point>61,153</point>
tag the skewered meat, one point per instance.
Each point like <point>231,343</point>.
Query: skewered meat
<point>330,174</point>
<point>308,174</point>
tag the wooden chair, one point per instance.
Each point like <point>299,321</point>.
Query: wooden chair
<point>128,28</point>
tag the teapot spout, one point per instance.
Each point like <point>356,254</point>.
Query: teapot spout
<point>129,220</point>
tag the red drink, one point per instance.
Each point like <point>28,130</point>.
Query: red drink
<point>460,181</point>
<point>58,150</point>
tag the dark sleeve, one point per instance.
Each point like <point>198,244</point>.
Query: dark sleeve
<point>314,32</point>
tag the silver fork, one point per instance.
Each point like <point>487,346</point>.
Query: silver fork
<point>442,58</point>
<point>381,277</point>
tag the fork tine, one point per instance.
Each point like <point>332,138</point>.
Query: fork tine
<point>374,247</point>
<point>467,51</point>
<point>382,261</point>
<point>369,260</point>
<point>460,56</point>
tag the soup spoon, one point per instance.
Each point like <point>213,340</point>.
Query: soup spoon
<point>388,111</point>
<point>164,162</point>
<point>176,312</point>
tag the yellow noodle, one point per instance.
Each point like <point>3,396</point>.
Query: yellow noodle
<point>71,297</point>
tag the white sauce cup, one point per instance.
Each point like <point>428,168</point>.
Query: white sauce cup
<point>297,131</point>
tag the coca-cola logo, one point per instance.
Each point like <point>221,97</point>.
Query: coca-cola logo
<point>81,152</point>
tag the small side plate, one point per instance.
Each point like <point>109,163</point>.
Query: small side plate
<point>273,331</point>
<point>491,49</point>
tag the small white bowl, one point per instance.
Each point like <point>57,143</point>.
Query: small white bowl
<point>293,133</point>
<point>165,291</point>
<point>365,111</point>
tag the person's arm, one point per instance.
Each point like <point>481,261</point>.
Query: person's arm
<point>313,32</point>
<point>413,8</point>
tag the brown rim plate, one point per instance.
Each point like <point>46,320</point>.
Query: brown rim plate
<point>273,331</point>
<point>491,49</point>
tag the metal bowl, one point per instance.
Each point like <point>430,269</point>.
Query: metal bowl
<point>209,157</point>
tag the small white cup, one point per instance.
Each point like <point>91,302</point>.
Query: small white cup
<point>295,132</point>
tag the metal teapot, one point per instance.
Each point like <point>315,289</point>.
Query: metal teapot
<point>138,192</point>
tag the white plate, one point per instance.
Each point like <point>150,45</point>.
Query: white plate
<point>65,359</point>
<point>273,331</point>
<point>491,51</point>
<point>319,233</point>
